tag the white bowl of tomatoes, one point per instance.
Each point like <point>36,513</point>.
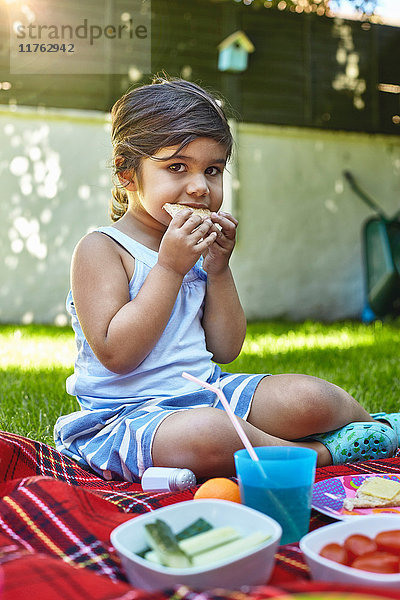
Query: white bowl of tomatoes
<point>363,551</point>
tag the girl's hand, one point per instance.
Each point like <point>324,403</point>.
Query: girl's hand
<point>216,257</point>
<point>188,237</point>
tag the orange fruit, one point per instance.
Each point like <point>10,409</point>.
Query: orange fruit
<point>219,487</point>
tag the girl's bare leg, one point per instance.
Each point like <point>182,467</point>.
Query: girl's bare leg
<point>284,408</point>
<point>204,440</point>
<point>294,406</point>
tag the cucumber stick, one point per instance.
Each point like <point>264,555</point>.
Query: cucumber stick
<point>210,539</point>
<point>198,526</point>
<point>152,557</point>
<point>201,542</point>
<point>227,550</point>
<point>163,541</point>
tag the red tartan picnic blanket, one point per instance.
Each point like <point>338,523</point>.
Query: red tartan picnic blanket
<point>56,519</point>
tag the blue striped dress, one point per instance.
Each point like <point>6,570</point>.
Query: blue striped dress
<point>119,414</point>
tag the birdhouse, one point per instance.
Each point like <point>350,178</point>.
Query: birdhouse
<point>234,52</point>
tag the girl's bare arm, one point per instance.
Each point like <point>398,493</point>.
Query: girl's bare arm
<point>120,331</point>
<point>224,321</point>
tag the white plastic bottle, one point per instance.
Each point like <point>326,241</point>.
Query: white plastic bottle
<point>167,479</point>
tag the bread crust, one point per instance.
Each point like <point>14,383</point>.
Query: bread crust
<point>173,209</point>
<point>362,500</point>
<point>365,501</point>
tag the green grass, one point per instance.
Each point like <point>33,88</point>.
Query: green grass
<point>34,363</point>
<point>35,360</point>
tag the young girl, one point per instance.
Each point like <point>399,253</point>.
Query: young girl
<point>153,296</point>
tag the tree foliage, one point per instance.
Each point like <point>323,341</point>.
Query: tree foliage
<point>365,8</point>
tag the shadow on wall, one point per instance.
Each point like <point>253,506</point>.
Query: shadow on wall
<point>348,78</point>
<point>56,187</point>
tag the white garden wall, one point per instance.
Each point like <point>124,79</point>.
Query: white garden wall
<point>299,253</point>
<point>55,187</point>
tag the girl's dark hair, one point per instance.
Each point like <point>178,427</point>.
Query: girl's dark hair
<point>165,113</point>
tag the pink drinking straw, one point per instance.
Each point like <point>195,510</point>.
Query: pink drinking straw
<point>231,414</point>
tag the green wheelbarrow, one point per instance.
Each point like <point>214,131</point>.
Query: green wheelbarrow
<point>381,256</point>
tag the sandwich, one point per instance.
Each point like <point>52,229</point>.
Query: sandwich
<point>375,492</point>
<point>173,209</point>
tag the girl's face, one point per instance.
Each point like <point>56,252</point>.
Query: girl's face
<point>193,178</point>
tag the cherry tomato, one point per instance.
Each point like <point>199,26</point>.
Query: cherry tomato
<point>335,552</point>
<point>389,541</point>
<point>377,562</point>
<point>358,544</point>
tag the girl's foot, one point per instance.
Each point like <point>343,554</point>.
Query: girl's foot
<point>392,419</point>
<point>358,441</point>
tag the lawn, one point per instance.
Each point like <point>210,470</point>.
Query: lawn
<point>35,361</point>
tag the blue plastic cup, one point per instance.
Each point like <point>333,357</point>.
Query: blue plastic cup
<point>279,485</point>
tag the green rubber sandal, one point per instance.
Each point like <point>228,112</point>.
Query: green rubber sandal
<point>358,441</point>
<point>392,418</point>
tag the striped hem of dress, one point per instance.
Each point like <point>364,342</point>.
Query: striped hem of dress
<point>119,445</point>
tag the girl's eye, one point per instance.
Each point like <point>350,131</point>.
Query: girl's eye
<point>176,167</point>
<point>181,167</point>
<point>213,171</point>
